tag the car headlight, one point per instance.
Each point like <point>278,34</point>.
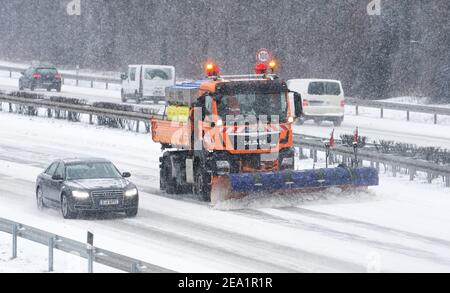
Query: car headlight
<point>80,194</point>
<point>131,192</point>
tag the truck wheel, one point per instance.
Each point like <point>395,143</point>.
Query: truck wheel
<point>201,187</point>
<point>167,182</point>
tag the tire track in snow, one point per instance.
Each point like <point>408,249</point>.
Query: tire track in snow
<point>240,248</point>
<point>387,246</point>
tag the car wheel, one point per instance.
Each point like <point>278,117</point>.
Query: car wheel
<point>65,208</point>
<point>40,199</point>
<point>131,213</point>
<point>201,186</point>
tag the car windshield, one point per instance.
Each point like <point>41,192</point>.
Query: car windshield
<point>324,88</point>
<point>91,171</point>
<point>253,105</point>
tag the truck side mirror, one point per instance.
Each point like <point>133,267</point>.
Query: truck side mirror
<point>124,76</point>
<point>298,105</point>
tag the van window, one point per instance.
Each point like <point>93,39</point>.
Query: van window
<point>324,88</point>
<point>132,74</point>
<point>158,74</point>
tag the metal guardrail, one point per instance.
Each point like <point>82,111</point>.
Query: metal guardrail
<point>314,144</point>
<point>71,76</point>
<point>375,158</point>
<point>83,250</point>
<point>82,109</point>
<point>382,105</point>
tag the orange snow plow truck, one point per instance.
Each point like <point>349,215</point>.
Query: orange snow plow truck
<point>231,136</point>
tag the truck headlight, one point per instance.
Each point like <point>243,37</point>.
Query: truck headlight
<point>131,192</point>
<point>80,194</point>
<point>223,166</point>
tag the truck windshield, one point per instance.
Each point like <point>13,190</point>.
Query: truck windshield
<point>253,105</point>
<point>91,171</point>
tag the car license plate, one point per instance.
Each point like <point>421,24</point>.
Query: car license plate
<point>109,202</point>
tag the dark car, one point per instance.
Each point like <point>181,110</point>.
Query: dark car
<point>86,185</point>
<point>40,78</point>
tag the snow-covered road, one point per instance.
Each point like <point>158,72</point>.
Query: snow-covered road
<point>398,226</point>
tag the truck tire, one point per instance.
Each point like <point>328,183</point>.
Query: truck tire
<point>202,187</point>
<point>166,181</point>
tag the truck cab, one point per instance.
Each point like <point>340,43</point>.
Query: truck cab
<point>147,82</point>
<point>224,126</point>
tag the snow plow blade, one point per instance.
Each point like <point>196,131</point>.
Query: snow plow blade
<point>287,182</point>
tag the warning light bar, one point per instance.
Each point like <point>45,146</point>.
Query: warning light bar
<point>212,70</point>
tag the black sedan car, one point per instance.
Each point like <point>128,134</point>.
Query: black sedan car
<point>86,185</point>
<point>40,78</point>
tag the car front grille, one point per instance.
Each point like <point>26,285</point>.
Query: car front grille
<point>107,193</point>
